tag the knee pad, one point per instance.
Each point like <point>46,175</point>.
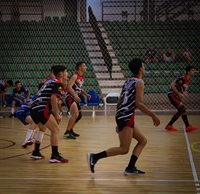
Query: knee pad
<point>79,116</point>
<point>181,110</point>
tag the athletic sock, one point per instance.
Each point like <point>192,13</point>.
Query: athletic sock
<point>29,134</point>
<point>12,111</point>
<point>54,150</point>
<point>185,120</point>
<point>100,155</point>
<point>132,162</point>
<point>37,147</point>
<point>174,118</point>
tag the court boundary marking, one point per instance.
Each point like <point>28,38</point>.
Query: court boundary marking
<point>98,179</point>
<point>194,172</point>
<point>14,156</point>
<point>193,148</point>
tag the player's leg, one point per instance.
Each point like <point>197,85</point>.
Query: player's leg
<point>131,168</point>
<point>76,121</point>
<point>125,138</point>
<point>12,114</point>
<point>72,121</point>
<point>38,139</point>
<point>185,120</point>
<point>30,133</point>
<point>177,104</point>
<point>52,125</point>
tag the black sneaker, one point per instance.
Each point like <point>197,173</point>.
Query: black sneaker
<point>68,136</point>
<point>74,134</point>
<point>133,171</point>
<point>58,159</point>
<point>11,115</point>
<point>37,156</point>
<point>91,162</point>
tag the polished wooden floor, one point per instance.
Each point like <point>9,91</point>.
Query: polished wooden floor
<point>171,160</point>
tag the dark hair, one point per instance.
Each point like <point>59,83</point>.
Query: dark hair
<point>188,68</point>
<point>58,68</point>
<point>17,82</point>
<point>134,65</point>
<point>40,85</point>
<point>79,64</point>
<point>10,82</point>
<point>52,67</point>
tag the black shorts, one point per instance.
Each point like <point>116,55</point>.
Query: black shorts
<point>174,99</point>
<point>121,124</point>
<point>39,117</point>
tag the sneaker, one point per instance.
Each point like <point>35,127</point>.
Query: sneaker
<point>68,113</point>
<point>58,159</point>
<point>170,128</point>
<point>191,128</point>
<point>37,156</point>
<point>1,116</point>
<point>74,134</point>
<point>28,143</point>
<point>91,162</point>
<point>11,115</point>
<point>133,171</point>
<point>68,136</point>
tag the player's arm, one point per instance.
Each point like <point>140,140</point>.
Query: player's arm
<point>84,93</point>
<point>138,102</point>
<point>118,102</point>
<point>54,104</point>
<point>28,94</point>
<point>71,90</point>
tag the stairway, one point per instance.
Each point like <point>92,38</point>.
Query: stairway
<point>98,63</point>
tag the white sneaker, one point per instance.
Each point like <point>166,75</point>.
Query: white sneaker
<point>28,143</point>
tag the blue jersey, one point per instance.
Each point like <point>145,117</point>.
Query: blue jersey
<point>21,94</point>
<point>25,107</point>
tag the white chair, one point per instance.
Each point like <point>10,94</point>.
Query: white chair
<point>111,99</point>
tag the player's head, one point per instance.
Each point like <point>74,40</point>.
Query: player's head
<point>189,70</point>
<point>18,84</point>
<point>52,68</point>
<point>136,66</point>
<point>80,66</point>
<point>9,83</point>
<point>60,72</point>
<point>40,85</point>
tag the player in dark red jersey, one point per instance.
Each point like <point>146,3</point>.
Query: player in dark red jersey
<point>176,93</point>
<point>73,99</point>
<point>45,113</point>
<point>130,98</point>
<point>3,86</point>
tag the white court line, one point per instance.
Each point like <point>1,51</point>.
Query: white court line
<point>194,172</point>
<point>94,179</point>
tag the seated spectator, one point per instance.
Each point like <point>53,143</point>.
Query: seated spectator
<point>187,55</point>
<point>169,56</point>
<point>151,56</point>
<point>20,95</point>
<point>3,86</point>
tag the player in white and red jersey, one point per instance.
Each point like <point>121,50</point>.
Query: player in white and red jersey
<point>42,115</point>
<point>73,99</point>
<point>130,99</point>
<point>176,93</point>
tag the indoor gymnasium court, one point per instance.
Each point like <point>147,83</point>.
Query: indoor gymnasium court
<point>105,35</point>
